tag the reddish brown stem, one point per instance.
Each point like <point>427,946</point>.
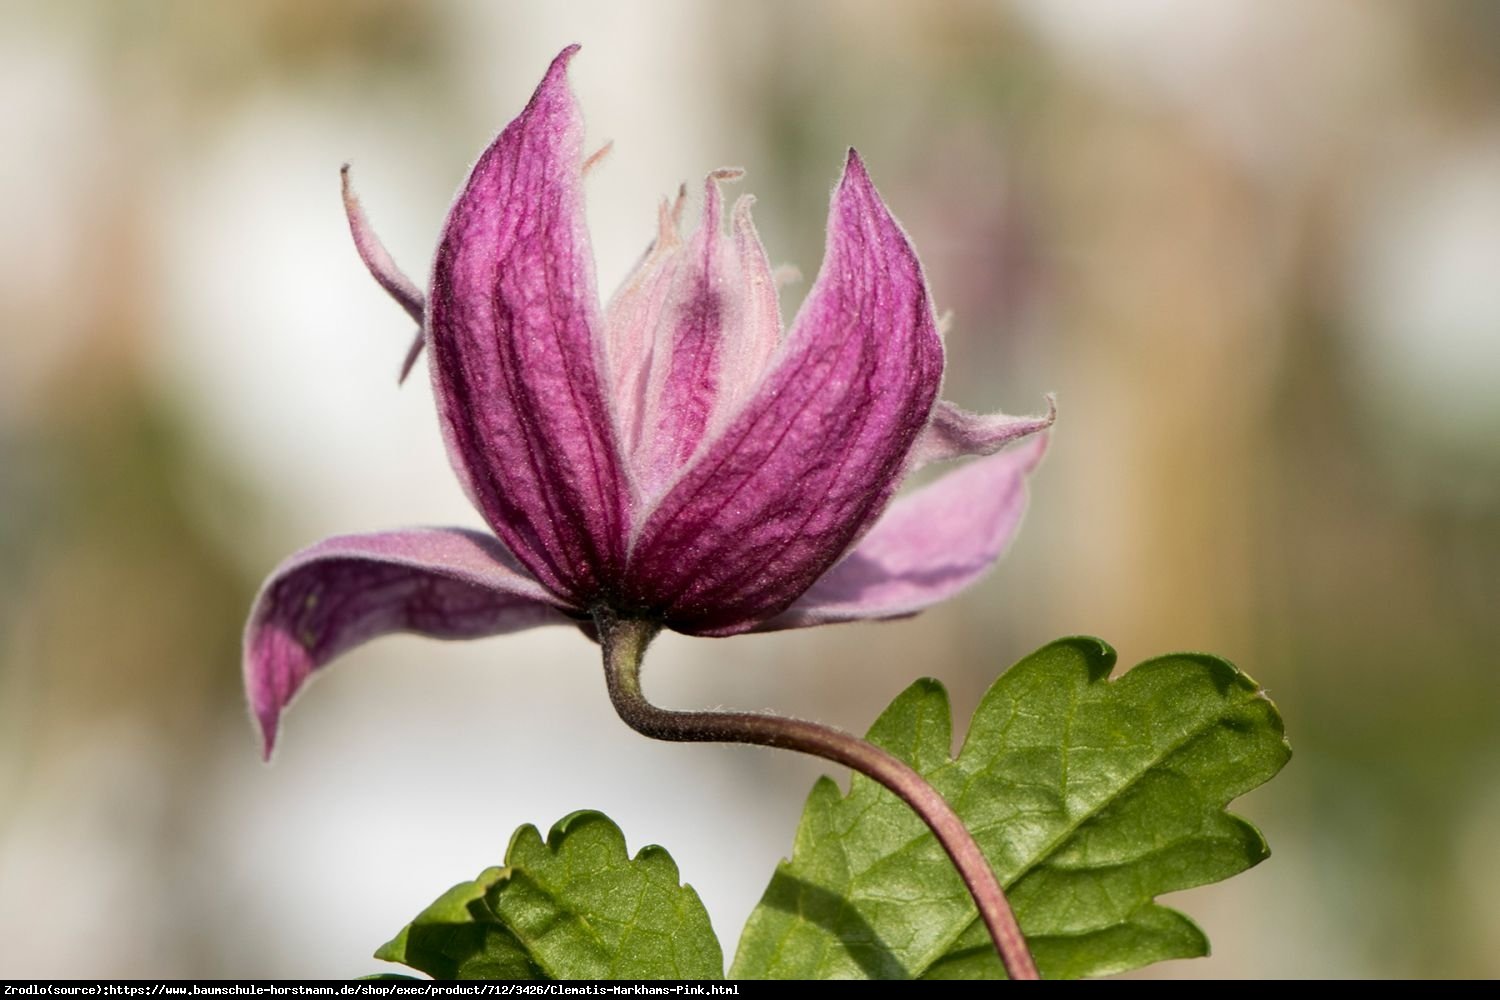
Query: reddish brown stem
<point>625,642</point>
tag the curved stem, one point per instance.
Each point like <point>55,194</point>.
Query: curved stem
<point>624,643</point>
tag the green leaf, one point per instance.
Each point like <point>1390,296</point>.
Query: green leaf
<point>1090,797</point>
<point>459,937</point>
<point>385,976</point>
<point>576,906</point>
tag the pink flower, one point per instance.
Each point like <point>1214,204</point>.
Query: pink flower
<point>673,457</point>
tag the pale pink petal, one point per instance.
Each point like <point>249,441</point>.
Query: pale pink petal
<point>447,583</point>
<point>811,460</point>
<point>954,432</point>
<point>632,319</point>
<point>685,360</point>
<point>752,341</point>
<point>707,314</point>
<point>688,352</point>
<point>514,332</point>
<point>929,545</point>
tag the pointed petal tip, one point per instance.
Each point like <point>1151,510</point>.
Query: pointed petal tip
<point>855,171</point>
<point>857,190</point>
<point>412,353</point>
<point>597,157</point>
<point>267,739</point>
<point>556,77</point>
<point>560,61</point>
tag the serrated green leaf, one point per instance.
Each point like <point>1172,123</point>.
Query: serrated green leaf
<point>1090,797</point>
<point>459,937</point>
<point>576,906</point>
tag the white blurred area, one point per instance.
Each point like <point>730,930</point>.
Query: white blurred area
<point>173,232</point>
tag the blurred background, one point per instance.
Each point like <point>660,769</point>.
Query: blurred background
<point>1254,247</point>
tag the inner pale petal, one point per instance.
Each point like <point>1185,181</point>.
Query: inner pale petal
<point>690,335</point>
<point>632,319</point>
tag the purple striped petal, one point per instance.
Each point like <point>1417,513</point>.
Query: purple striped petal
<point>811,460</point>
<point>929,546</point>
<point>447,583</point>
<point>516,353</point>
<point>954,432</point>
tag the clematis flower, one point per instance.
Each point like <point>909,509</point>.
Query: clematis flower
<point>673,457</point>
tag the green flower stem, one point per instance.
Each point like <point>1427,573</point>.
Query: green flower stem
<point>625,641</point>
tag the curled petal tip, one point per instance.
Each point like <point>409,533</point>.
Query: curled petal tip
<point>447,583</point>
<point>560,62</point>
<point>954,432</point>
<point>377,259</point>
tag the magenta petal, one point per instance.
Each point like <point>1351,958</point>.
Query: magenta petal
<point>513,329</point>
<point>928,546</point>
<point>771,503</point>
<point>447,583</point>
<point>954,432</point>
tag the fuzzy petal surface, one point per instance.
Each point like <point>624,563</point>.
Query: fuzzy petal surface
<point>632,319</point>
<point>929,545</point>
<point>447,583</point>
<point>812,458</point>
<point>954,432</point>
<point>514,333</point>
<point>718,328</point>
